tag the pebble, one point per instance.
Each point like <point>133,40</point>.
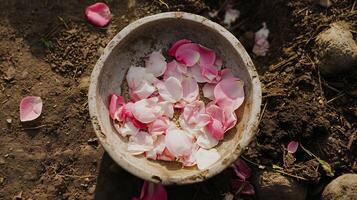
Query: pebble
<point>342,188</point>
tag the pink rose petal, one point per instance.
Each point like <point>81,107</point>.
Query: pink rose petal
<point>229,93</point>
<point>152,191</point>
<point>146,110</point>
<point>170,89</point>
<point>208,89</point>
<point>159,147</point>
<point>98,14</point>
<point>206,141</point>
<point>190,89</point>
<point>226,74</point>
<point>242,170</point>
<point>178,143</point>
<point>175,69</point>
<point>128,129</point>
<point>206,158</point>
<point>243,186</point>
<point>187,56</point>
<point>195,72</point>
<point>172,50</point>
<point>293,146</point>
<point>218,63</point>
<point>156,63</point>
<point>166,156</point>
<point>140,142</point>
<point>30,108</point>
<point>230,119</point>
<point>210,73</point>
<point>207,56</point>
<point>159,126</point>
<point>167,109</point>
<point>261,45</point>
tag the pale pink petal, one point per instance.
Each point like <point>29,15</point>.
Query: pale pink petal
<point>230,119</point>
<point>137,75</point>
<point>179,105</point>
<point>156,63</point>
<point>167,109</point>
<point>206,141</point>
<point>172,50</point>
<point>30,108</point>
<point>115,103</point>
<point>226,73</point>
<point>178,142</point>
<point>170,89</point>
<point>175,69</point>
<point>195,72</point>
<point>98,14</point>
<point>206,158</point>
<point>143,91</point>
<point>218,63</point>
<point>231,16</point>
<point>146,110</point>
<point>243,186</point>
<point>261,45</point>
<point>128,129</point>
<point>190,89</point>
<point>207,56</point>
<point>166,156</point>
<point>192,111</point>
<point>216,129</point>
<point>159,147</point>
<point>159,126</point>
<point>152,191</point>
<point>208,89</point>
<point>189,161</point>
<point>229,93</point>
<point>293,146</point>
<point>188,54</point>
<point>140,142</point>
<point>242,170</point>
<point>210,73</point>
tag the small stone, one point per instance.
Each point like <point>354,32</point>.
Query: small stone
<point>336,50</point>
<point>2,180</point>
<point>342,188</point>
<point>9,121</point>
<point>91,190</point>
<point>272,186</point>
<point>324,3</point>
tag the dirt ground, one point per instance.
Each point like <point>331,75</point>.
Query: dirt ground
<point>48,49</point>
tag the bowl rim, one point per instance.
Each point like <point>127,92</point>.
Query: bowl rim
<point>252,120</point>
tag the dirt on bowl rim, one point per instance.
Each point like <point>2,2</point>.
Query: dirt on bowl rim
<point>252,120</point>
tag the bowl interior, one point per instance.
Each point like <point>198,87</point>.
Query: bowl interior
<point>129,48</point>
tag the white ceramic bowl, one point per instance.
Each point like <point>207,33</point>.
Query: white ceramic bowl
<point>128,48</point>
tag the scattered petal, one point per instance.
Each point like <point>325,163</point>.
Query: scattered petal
<point>293,146</point>
<point>170,89</point>
<point>178,143</point>
<point>208,89</point>
<point>140,142</point>
<point>242,170</point>
<point>190,89</point>
<point>156,63</point>
<point>30,108</point>
<point>243,186</point>
<point>261,45</point>
<point>231,16</point>
<point>229,93</point>
<point>146,110</point>
<point>98,14</point>
<point>206,158</point>
<point>152,191</point>
<point>176,45</point>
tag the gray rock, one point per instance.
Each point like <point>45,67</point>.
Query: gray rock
<point>342,188</point>
<point>274,186</point>
<point>336,51</point>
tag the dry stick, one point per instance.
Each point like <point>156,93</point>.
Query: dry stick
<point>292,175</point>
<point>353,6</point>
<point>253,163</point>
<point>164,3</point>
<point>64,22</point>
<point>282,63</point>
<point>33,128</point>
<point>352,138</point>
<point>341,94</point>
<point>261,116</point>
<point>332,88</point>
<point>318,74</point>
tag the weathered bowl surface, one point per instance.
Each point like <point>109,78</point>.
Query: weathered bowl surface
<point>156,32</point>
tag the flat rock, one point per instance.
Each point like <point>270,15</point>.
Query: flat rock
<point>274,186</point>
<point>336,50</point>
<point>342,188</point>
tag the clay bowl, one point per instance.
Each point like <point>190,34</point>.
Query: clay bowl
<point>128,48</point>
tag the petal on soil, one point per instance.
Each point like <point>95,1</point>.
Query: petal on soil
<point>98,14</point>
<point>170,89</point>
<point>190,89</point>
<point>293,146</point>
<point>261,45</point>
<point>30,108</point>
<point>243,186</point>
<point>242,170</point>
<point>172,50</point>
<point>152,191</point>
<point>231,16</point>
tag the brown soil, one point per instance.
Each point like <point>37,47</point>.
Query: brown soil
<point>48,49</point>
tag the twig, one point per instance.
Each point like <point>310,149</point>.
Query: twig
<point>341,94</point>
<point>353,6</point>
<point>352,138</point>
<point>332,88</point>
<point>34,128</point>
<point>76,176</point>
<point>263,111</point>
<point>64,22</point>
<point>292,175</point>
<point>318,74</point>
<point>282,63</point>
<point>164,3</point>
<point>253,163</point>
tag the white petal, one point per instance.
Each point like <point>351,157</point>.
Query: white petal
<point>136,75</point>
<point>170,89</point>
<point>128,129</point>
<point>178,143</point>
<point>167,109</point>
<point>206,141</point>
<point>144,90</point>
<point>140,143</point>
<point>156,63</point>
<point>231,16</point>
<point>208,89</point>
<point>190,89</point>
<point>206,158</point>
<point>195,72</point>
<point>159,146</point>
<point>146,110</point>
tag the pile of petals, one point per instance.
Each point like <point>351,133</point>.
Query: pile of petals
<point>166,118</point>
